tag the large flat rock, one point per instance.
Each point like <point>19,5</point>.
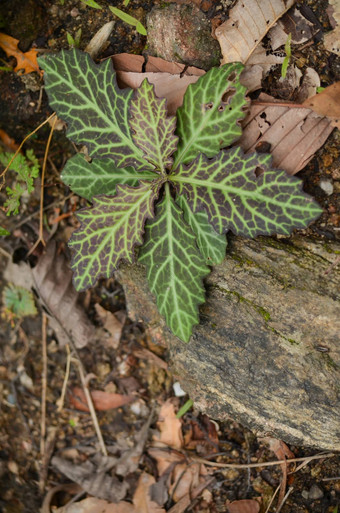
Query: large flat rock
<point>266,351</point>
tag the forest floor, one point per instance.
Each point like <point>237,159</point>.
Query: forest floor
<point>119,359</point>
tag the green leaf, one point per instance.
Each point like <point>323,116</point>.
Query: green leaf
<point>12,204</point>
<point>175,267</point>
<point>236,199</point>
<point>153,130</point>
<point>4,232</point>
<point>87,97</point>
<point>109,231</point>
<point>211,244</point>
<point>27,168</point>
<point>186,407</point>
<point>18,301</point>
<point>99,177</point>
<point>129,19</point>
<point>209,117</point>
<point>91,3</point>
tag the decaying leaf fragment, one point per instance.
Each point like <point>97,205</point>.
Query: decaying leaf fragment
<point>53,282</point>
<point>291,134</point>
<point>327,103</point>
<point>332,39</point>
<point>26,62</point>
<point>249,21</point>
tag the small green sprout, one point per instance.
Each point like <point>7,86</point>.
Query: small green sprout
<point>91,3</point>
<point>186,407</point>
<point>74,42</point>
<point>130,20</point>
<point>286,60</point>
<point>18,302</point>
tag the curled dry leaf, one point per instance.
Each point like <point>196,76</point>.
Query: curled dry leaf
<point>53,282</point>
<point>93,505</point>
<point>26,62</point>
<point>112,324</point>
<point>142,499</point>
<point>332,39</point>
<point>295,24</point>
<point>102,401</point>
<point>169,426</point>
<point>244,506</point>
<point>246,26</point>
<point>327,103</point>
<point>290,133</point>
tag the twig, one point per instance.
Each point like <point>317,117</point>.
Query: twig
<point>272,499</point>
<point>50,443</point>
<point>41,227</point>
<point>264,464</point>
<point>37,212</point>
<point>60,402</point>
<point>43,385</point>
<point>91,407</point>
<point>2,175</point>
<point>284,500</point>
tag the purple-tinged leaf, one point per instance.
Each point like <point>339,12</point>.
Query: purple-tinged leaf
<point>236,199</point>
<point>153,129</point>
<point>110,230</point>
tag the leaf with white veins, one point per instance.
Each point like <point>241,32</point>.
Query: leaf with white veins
<point>211,244</point>
<point>86,96</point>
<point>109,231</point>
<point>100,176</point>
<point>153,128</point>
<point>175,267</point>
<point>209,117</point>
<point>236,199</point>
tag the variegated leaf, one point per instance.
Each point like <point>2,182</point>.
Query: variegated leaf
<point>153,129</point>
<point>86,96</point>
<point>234,198</point>
<point>175,267</point>
<point>109,231</point>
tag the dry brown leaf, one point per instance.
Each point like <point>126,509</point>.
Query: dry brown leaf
<point>295,24</point>
<point>142,500</point>
<point>332,39</point>
<point>166,76</point>
<point>102,401</point>
<point>292,134</point>
<point>95,482</point>
<point>169,426</point>
<point>327,103</point>
<point>25,61</point>
<point>185,501</point>
<point>93,505</point>
<point>165,458</point>
<point>8,141</point>
<point>53,283</point>
<point>113,325</point>
<point>244,506</point>
<point>246,26</point>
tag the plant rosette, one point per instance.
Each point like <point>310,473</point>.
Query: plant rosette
<point>171,186</point>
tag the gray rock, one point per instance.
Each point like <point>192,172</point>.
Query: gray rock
<point>266,351</point>
<point>182,33</point>
<point>315,493</point>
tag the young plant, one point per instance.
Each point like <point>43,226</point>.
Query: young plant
<point>167,176</point>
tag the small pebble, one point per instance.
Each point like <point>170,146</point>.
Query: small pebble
<point>74,12</point>
<point>327,187</point>
<point>315,493</point>
<point>179,392</point>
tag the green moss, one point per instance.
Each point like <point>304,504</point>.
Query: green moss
<point>240,299</point>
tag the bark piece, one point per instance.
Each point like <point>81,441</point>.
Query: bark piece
<point>266,351</point>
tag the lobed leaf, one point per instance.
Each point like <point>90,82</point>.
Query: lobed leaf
<point>175,267</point>
<point>109,231</point>
<point>209,117</point>
<point>236,199</point>
<point>99,177</point>
<point>211,244</point>
<point>153,129</point>
<point>87,97</point>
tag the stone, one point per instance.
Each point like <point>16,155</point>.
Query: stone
<point>266,352</point>
<point>182,33</point>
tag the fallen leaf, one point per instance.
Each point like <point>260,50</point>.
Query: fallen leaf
<point>8,141</point>
<point>292,134</point>
<point>102,401</point>
<point>141,499</point>
<point>295,24</point>
<point>244,506</point>
<point>93,505</point>
<point>309,85</point>
<point>25,61</point>
<point>53,282</point>
<point>169,426</point>
<point>92,481</point>
<point>185,501</point>
<point>246,26</point>
<point>332,39</point>
<point>113,325</point>
<point>327,103</point>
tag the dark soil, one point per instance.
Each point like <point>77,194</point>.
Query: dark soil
<point>44,24</point>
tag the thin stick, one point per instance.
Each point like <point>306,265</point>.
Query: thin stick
<point>91,407</point>
<point>48,207</point>
<point>43,385</point>
<point>284,500</point>
<point>61,400</point>
<point>2,175</point>
<point>41,226</point>
<point>272,499</point>
<point>264,464</point>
